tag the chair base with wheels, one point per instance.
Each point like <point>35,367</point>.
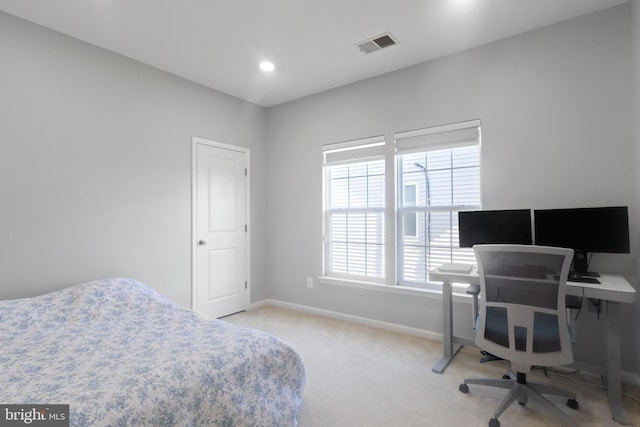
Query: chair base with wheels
<point>521,391</point>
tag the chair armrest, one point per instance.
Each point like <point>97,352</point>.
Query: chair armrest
<point>473,290</point>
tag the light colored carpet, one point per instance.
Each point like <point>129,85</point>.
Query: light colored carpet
<point>363,376</point>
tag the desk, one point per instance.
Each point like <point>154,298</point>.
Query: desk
<point>612,289</point>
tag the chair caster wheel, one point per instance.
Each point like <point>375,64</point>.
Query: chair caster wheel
<point>464,388</point>
<point>573,404</point>
<point>494,423</point>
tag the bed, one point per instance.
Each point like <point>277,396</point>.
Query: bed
<point>121,354</point>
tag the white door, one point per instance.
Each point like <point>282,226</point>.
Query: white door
<point>220,229</point>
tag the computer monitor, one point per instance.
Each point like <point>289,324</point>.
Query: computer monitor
<point>598,229</point>
<point>512,226</point>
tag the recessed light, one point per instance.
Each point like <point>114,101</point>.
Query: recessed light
<point>267,66</point>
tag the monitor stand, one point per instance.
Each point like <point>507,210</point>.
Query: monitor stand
<point>581,265</point>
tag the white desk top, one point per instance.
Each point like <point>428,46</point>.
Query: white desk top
<point>611,287</point>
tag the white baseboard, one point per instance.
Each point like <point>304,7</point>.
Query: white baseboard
<point>627,376</point>
<point>394,327</point>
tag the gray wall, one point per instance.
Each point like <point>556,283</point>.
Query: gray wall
<point>95,166</point>
<point>635,16</point>
<point>555,107</point>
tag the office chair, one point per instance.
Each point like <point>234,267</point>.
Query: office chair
<point>523,319</point>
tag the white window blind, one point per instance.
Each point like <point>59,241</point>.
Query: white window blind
<point>443,163</point>
<point>354,209</point>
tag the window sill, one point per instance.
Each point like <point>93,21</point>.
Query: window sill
<point>433,290</point>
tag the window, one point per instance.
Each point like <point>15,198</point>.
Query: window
<point>443,164</point>
<point>355,209</point>
<point>437,174</point>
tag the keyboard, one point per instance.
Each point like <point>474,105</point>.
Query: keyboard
<point>583,279</point>
<point>579,279</point>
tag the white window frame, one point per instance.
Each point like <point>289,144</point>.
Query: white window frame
<point>447,137</point>
<point>351,152</point>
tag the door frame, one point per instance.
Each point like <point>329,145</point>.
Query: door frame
<point>195,141</point>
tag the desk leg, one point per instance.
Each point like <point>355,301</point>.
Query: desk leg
<point>613,378</point>
<point>449,348</point>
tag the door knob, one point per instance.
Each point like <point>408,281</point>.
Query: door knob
<point>202,242</point>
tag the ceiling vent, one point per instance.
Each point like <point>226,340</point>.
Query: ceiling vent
<point>377,43</point>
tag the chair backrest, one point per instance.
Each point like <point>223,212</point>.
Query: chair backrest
<point>522,306</point>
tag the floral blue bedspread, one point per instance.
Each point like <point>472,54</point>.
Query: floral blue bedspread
<point>120,354</point>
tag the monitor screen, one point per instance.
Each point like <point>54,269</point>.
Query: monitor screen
<point>601,229</point>
<point>494,227</point>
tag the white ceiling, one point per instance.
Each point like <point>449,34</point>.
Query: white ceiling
<point>219,43</point>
